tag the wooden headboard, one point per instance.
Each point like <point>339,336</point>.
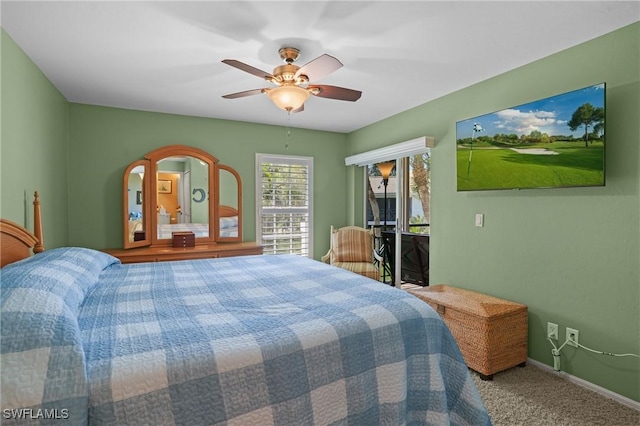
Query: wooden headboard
<point>227,211</point>
<point>16,242</point>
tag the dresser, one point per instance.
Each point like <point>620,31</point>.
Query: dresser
<point>168,253</point>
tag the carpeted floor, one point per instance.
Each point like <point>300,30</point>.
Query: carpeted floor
<point>531,396</point>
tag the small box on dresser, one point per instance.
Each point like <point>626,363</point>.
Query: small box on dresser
<point>183,239</point>
<point>490,332</point>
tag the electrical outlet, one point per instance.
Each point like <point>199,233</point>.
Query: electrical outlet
<point>552,331</point>
<point>572,337</point>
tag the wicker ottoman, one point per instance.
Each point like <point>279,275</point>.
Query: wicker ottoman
<point>491,332</point>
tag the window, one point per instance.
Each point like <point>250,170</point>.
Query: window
<point>408,188</point>
<point>415,190</point>
<point>284,204</point>
<point>418,193</point>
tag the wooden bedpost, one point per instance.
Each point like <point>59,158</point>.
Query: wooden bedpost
<point>37,224</point>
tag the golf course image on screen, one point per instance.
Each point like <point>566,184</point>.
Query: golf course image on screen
<point>554,142</point>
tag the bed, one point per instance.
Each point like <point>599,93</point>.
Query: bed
<point>166,230</point>
<point>263,339</point>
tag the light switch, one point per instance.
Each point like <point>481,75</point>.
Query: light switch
<point>479,220</point>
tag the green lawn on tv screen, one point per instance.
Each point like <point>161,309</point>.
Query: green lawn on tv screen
<point>573,164</point>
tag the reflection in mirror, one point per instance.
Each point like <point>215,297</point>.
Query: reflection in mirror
<point>229,204</point>
<point>178,209</point>
<point>136,226</point>
<point>134,191</point>
<point>228,209</point>
<point>135,207</point>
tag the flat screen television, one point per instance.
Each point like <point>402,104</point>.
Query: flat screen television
<point>556,142</point>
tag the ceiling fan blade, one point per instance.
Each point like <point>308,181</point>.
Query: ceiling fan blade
<point>248,68</point>
<point>243,94</point>
<point>335,92</point>
<point>298,109</point>
<point>320,67</point>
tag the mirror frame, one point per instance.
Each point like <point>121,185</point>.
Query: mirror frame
<point>150,198</point>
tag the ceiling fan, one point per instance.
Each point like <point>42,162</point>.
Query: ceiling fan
<point>292,83</point>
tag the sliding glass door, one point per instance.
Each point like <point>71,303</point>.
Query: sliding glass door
<point>397,207</point>
<point>405,208</point>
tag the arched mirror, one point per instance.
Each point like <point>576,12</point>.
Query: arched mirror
<point>183,187</point>
<point>136,207</point>
<point>188,191</point>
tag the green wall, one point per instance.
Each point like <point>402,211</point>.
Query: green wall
<point>33,145</point>
<point>571,255</point>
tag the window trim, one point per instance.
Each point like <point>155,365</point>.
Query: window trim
<point>392,152</point>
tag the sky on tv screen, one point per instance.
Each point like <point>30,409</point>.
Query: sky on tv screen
<point>549,115</point>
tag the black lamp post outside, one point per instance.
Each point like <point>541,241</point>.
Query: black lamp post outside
<point>385,170</point>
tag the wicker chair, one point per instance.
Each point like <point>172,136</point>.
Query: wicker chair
<point>352,249</point>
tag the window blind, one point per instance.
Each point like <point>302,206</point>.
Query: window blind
<point>284,219</point>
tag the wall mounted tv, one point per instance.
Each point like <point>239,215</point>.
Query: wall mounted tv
<point>556,142</point>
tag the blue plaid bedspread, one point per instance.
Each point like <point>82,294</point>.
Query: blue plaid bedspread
<point>199,229</point>
<point>253,340</point>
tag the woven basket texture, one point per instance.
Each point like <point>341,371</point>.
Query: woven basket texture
<point>490,332</point>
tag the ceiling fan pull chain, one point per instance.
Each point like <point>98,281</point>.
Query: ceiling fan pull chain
<point>289,124</point>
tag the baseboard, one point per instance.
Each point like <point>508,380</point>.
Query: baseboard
<point>588,385</point>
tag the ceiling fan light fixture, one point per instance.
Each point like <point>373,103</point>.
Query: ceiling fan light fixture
<point>288,98</point>
<point>293,81</point>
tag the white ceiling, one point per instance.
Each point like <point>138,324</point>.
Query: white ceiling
<point>166,56</point>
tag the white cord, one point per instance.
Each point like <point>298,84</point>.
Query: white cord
<point>556,352</point>
<point>556,355</point>
<point>554,346</point>
<point>604,353</point>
